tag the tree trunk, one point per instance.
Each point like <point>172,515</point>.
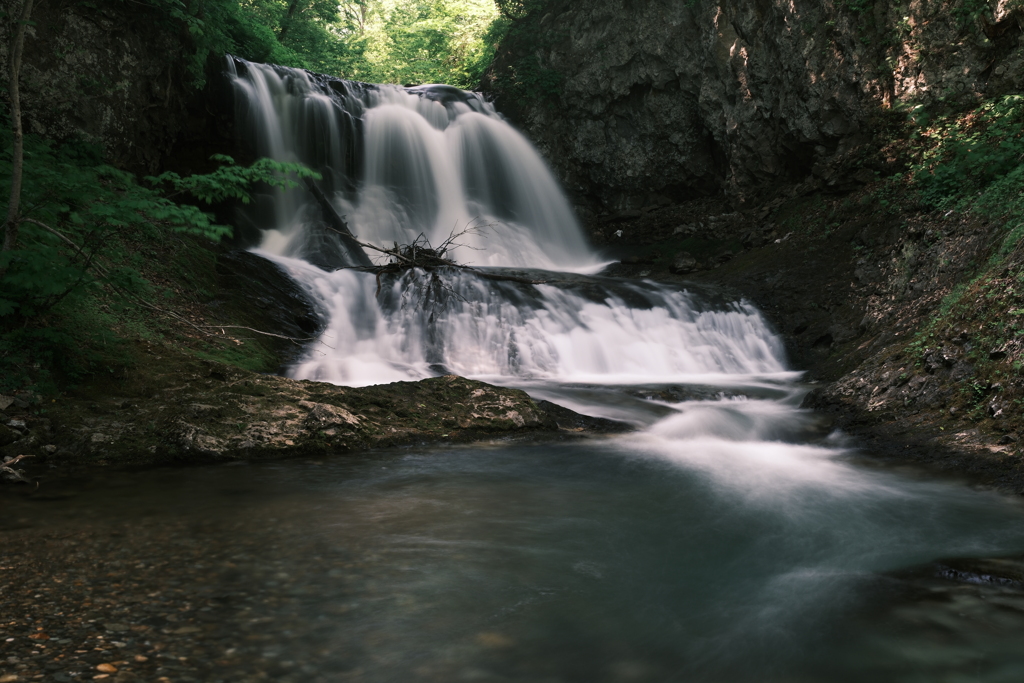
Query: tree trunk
<point>18,151</point>
<point>336,222</point>
<point>293,9</point>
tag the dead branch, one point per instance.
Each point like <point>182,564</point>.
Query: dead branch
<point>6,467</point>
<point>204,329</point>
<point>472,228</point>
<point>294,340</point>
<point>336,223</point>
<point>419,254</point>
<point>50,230</point>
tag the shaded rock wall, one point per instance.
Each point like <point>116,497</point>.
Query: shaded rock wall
<point>661,100</point>
<point>113,74</point>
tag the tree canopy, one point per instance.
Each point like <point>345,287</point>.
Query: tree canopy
<point>380,41</point>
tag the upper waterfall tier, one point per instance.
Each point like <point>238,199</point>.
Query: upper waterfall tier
<point>398,162</point>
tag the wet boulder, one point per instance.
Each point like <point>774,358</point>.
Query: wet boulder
<point>278,303</point>
<point>200,411</point>
<point>683,263</point>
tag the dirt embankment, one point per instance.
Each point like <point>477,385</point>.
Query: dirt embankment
<point>896,312</point>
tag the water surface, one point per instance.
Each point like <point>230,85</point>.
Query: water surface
<point>723,543</point>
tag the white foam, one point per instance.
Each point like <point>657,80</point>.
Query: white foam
<point>475,328</point>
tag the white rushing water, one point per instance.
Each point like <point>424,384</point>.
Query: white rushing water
<point>400,162</point>
<point>730,538</point>
<point>473,327</point>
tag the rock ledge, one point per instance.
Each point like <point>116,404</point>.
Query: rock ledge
<point>205,411</point>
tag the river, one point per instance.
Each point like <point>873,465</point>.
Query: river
<point>686,552</point>
<point>730,537</point>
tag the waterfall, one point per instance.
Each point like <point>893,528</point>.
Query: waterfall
<point>437,161</point>
<point>398,162</point>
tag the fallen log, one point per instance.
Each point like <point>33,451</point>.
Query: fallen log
<point>334,220</point>
<point>419,254</point>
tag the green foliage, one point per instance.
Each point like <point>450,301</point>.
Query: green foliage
<point>76,213</point>
<point>231,181</point>
<point>310,34</point>
<point>517,9</point>
<point>967,11</point>
<point>981,152</point>
<point>65,346</point>
<point>299,33</point>
<point>973,163</point>
<point>428,41</point>
<point>1005,199</point>
<point>381,41</point>
<point>423,41</point>
<point>857,6</point>
<point>527,76</point>
<point>218,27</point>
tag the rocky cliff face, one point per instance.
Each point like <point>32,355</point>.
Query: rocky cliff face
<point>664,99</point>
<point>109,75</point>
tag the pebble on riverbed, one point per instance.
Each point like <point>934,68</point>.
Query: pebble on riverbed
<point>177,600</point>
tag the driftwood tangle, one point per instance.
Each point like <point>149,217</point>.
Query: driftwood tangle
<point>418,254</point>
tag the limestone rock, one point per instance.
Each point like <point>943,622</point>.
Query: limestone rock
<point>189,415</point>
<point>325,416</point>
<point>112,76</point>
<point>663,98</point>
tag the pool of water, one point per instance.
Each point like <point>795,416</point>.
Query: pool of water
<point>724,542</point>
